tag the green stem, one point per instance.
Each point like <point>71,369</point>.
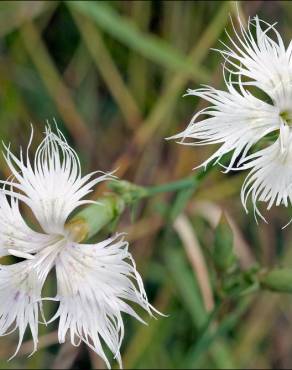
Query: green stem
<point>92,218</point>
<point>185,183</point>
<point>132,192</point>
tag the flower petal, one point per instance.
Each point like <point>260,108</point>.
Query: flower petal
<point>53,186</point>
<point>237,120</point>
<point>263,60</point>
<point>270,178</point>
<point>15,236</point>
<point>20,292</point>
<point>95,282</point>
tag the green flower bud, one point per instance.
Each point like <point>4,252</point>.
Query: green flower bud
<point>128,191</point>
<point>223,254</point>
<point>278,280</point>
<point>91,219</point>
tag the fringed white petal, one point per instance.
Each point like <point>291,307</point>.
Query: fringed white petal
<point>15,236</point>
<point>52,186</point>
<point>237,120</point>
<point>96,283</point>
<point>270,178</point>
<point>263,59</point>
<point>20,294</point>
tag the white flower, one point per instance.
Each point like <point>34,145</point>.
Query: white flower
<point>239,121</point>
<point>95,283</point>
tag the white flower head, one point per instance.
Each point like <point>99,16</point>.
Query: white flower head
<point>95,282</point>
<point>239,122</point>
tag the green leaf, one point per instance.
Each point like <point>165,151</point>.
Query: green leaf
<point>186,285</point>
<point>150,46</point>
<point>223,254</point>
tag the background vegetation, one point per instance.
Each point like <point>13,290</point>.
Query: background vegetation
<point>112,74</point>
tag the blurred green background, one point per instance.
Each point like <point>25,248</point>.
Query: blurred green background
<point>113,74</point>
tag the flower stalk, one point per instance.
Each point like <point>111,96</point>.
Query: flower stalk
<point>94,217</point>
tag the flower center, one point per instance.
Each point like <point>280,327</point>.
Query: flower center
<point>286,116</point>
<point>76,230</point>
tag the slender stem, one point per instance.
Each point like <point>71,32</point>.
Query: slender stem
<point>131,192</point>
<point>91,219</point>
<point>169,187</point>
<point>185,183</point>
